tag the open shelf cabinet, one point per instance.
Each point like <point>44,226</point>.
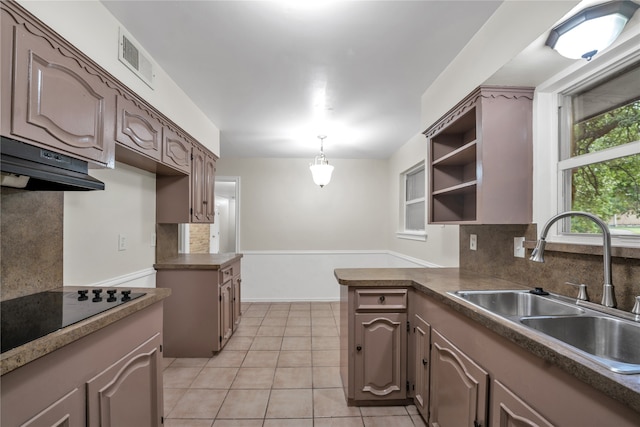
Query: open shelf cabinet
<point>480,159</point>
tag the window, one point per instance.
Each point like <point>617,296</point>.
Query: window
<point>413,203</point>
<point>599,166</point>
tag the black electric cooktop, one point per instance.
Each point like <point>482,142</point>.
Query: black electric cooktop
<point>33,316</point>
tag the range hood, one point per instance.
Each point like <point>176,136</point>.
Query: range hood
<point>32,168</point>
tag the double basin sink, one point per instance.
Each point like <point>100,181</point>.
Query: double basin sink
<point>605,339</point>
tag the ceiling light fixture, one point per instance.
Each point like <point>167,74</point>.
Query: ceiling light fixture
<point>591,30</point>
<point>321,170</point>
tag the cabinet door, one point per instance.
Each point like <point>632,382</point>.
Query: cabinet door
<point>176,150</point>
<point>58,101</point>
<point>136,129</point>
<point>508,410</point>
<point>129,392</point>
<point>198,185</point>
<point>66,412</point>
<point>380,357</point>
<point>458,393</point>
<point>209,188</point>
<point>422,344</point>
<point>226,312</point>
<point>237,306</point>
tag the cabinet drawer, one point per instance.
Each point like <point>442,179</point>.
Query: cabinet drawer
<point>230,271</point>
<point>381,299</point>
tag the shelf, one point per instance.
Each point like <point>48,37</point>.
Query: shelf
<point>462,156</point>
<point>464,188</point>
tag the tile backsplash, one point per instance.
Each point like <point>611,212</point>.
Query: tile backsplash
<point>31,235</point>
<point>494,257</point>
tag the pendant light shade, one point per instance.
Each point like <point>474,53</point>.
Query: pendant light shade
<point>591,30</point>
<point>321,170</point>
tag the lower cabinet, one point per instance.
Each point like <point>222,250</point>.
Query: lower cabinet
<point>509,410</point>
<point>380,361</point>
<point>111,377</point>
<point>373,357</point>
<point>129,392</point>
<point>200,315</point>
<point>459,387</point>
<point>422,364</point>
<point>68,411</point>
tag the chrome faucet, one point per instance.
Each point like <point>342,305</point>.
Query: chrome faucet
<point>608,297</point>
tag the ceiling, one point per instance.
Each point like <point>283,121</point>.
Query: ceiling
<point>274,75</point>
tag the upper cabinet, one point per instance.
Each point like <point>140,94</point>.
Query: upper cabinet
<point>138,130</point>
<point>480,159</point>
<point>176,150</point>
<point>58,100</point>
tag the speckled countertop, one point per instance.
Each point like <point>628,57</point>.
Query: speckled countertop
<point>25,353</point>
<point>197,261</point>
<point>436,282</point>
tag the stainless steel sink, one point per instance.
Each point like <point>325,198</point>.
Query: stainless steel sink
<point>604,338</point>
<point>518,303</point>
<point>609,341</point>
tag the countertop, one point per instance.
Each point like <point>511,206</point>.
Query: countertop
<point>436,282</point>
<point>19,356</point>
<point>197,261</point>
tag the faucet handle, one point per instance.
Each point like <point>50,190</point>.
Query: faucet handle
<point>636,306</point>
<point>582,293</point>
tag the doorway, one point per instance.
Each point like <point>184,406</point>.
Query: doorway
<point>224,231</point>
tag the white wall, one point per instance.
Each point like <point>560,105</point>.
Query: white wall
<point>282,209</point>
<point>441,245</point>
<point>89,26</point>
<point>93,221</point>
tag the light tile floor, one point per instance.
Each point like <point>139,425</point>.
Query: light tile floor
<point>280,369</point>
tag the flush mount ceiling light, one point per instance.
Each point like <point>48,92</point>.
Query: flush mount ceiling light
<point>321,170</point>
<point>591,30</point>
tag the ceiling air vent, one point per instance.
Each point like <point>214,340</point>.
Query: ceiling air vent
<point>132,55</point>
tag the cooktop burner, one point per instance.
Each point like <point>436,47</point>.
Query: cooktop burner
<point>33,316</point>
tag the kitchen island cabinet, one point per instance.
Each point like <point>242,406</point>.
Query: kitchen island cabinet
<point>526,374</point>
<point>105,370</point>
<point>199,318</point>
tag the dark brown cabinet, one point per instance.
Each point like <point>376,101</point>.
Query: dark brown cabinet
<point>459,387</point>
<point>480,159</point>
<point>58,100</point>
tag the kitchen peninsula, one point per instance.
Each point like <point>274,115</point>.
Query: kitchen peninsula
<point>509,368</point>
<point>204,309</point>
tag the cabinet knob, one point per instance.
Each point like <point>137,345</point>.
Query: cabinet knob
<point>359,348</point>
<point>424,362</point>
<point>381,299</point>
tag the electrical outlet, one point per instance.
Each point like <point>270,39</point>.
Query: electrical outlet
<point>473,242</point>
<point>122,242</point>
<point>518,247</point>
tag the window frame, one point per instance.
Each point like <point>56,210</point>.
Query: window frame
<point>550,124</point>
<point>404,232</point>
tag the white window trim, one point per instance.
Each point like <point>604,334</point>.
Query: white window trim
<point>547,188</point>
<point>404,233</point>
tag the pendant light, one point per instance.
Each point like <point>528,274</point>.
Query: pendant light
<point>321,170</point>
<point>591,30</point>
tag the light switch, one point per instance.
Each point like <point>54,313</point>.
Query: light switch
<point>518,247</point>
<point>473,242</point>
